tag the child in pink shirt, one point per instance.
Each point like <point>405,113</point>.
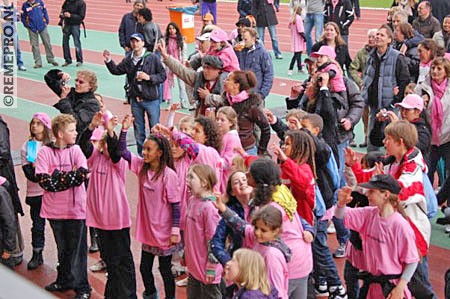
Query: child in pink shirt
<point>201,222</point>
<point>40,133</point>
<point>390,252</point>
<point>263,237</point>
<point>326,64</point>
<point>107,205</point>
<point>61,169</point>
<point>158,211</point>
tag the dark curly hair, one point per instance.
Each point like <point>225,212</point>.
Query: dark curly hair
<point>213,136</point>
<point>179,37</point>
<point>146,13</point>
<point>267,176</point>
<point>166,159</point>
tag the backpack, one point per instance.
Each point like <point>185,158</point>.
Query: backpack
<point>430,197</point>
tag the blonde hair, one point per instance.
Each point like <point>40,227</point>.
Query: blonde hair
<point>206,175</point>
<point>187,120</point>
<point>403,130</point>
<point>91,78</point>
<point>239,164</point>
<point>230,114</point>
<point>296,10</point>
<point>297,113</point>
<point>411,87</point>
<point>60,122</point>
<point>252,270</point>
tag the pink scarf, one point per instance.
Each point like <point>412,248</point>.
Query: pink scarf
<point>240,97</point>
<point>437,112</point>
<point>174,51</point>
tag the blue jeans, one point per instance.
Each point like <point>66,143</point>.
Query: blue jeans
<point>313,20</point>
<point>342,233</point>
<point>139,109</point>
<point>351,280</point>
<point>325,270</point>
<point>253,151</point>
<point>73,30</point>
<point>341,153</point>
<point>273,36</point>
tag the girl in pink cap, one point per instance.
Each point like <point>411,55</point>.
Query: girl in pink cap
<point>40,133</point>
<point>326,64</point>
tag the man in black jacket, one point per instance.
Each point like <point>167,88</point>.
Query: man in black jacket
<point>342,14</point>
<point>144,72</point>
<point>71,17</point>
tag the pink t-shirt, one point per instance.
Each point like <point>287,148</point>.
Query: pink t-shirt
<point>182,166</point>
<point>202,219</point>
<point>388,243</point>
<point>154,210</point>
<point>301,263</point>
<point>230,141</point>
<point>33,189</point>
<point>107,203</point>
<point>68,204</point>
<point>209,156</point>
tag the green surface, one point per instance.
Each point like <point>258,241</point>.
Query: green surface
<point>438,236</point>
<point>367,3</point>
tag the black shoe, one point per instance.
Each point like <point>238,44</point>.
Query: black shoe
<point>66,64</point>
<point>16,260</point>
<point>352,143</point>
<point>79,64</point>
<point>54,63</point>
<point>82,296</point>
<point>443,221</point>
<point>364,144</point>
<point>36,260</point>
<point>55,287</point>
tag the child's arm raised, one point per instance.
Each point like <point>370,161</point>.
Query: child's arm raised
<point>112,141</point>
<point>85,139</point>
<point>126,124</point>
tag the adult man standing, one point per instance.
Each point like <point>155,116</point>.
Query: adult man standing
<point>34,17</point>
<point>254,57</point>
<point>130,25</point>
<point>145,73</point>
<point>264,13</point>
<point>340,12</point>
<point>72,16</point>
<point>386,76</point>
<point>314,18</point>
<point>441,8</point>
<point>425,23</point>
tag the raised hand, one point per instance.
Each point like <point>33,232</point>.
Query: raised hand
<point>127,121</point>
<point>96,121</point>
<point>344,196</point>
<point>279,153</point>
<point>220,203</point>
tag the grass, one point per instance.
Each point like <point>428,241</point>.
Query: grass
<point>366,3</point>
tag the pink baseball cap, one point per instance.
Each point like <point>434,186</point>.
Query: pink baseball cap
<point>218,35</point>
<point>325,51</point>
<point>44,118</point>
<point>97,134</point>
<point>411,101</point>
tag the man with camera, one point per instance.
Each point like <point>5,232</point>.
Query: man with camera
<point>145,73</point>
<point>71,17</point>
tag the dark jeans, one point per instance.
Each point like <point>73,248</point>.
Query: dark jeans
<point>70,237</point>
<point>38,225</point>
<point>357,8</point>
<point>115,252</point>
<point>73,30</point>
<point>325,270</point>
<point>165,268</point>
<point>437,152</point>
<point>422,273</point>
<point>197,289</point>
<point>342,233</point>
<point>351,280</point>
<point>296,58</point>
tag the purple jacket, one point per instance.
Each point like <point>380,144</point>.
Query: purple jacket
<point>243,293</point>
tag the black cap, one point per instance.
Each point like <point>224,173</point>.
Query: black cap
<point>383,182</point>
<point>213,61</point>
<point>244,21</point>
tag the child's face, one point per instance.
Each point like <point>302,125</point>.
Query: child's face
<point>308,126</point>
<point>287,146</point>
<point>194,183</point>
<point>177,151</point>
<point>393,148</point>
<point>186,128</point>
<point>408,91</point>
<point>322,59</point>
<point>223,123</point>
<point>231,270</point>
<point>263,233</point>
<point>150,151</point>
<point>376,197</point>
<point>410,114</point>
<point>198,134</point>
<point>239,185</point>
<point>36,127</point>
<point>250,180</point>
<point>69,134</point>
<point>293,123</point>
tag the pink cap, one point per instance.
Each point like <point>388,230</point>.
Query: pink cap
<point>107,115</point>
<point>325,51</point>
<point>2,180</point>
<point>218,35</point>
<point>44,118</point>
<point>411,101</point>
<point>447,55</point>
<point>97,134</point>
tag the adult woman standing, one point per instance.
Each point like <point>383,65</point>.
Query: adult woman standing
<point>428,49</point>
<point>332,37</point>
<point>402,33</point>
<point>443,37</point>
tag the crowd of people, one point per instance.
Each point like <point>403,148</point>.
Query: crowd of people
<point>242,218</point>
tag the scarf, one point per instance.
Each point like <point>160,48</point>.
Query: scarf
<point>284,198</point>
<point>280,245</point>
<point>174,51</point>
<point>437,111</point>
<point>240,97</point>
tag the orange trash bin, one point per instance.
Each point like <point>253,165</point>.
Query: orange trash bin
<point>183,15</point>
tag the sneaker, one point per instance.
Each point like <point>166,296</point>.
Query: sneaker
<point>331,229</point>
<point>340,251</point>
<point>321,290</point>
<point>37,66</point>
<point>447,229</point>
<point>66,64</point>
<point>182,283</point>
<point>278,57</point>
<point>290,73</point>
<point>79,64</point>
<point>21,68</point>
<point>54,63</point>
<point>338,292</point>
<point>98,267</point>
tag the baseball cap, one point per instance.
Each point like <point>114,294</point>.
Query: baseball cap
<point>204,37</point>
<point>137,36</point>
<point>383,182</point>
<point>325,51</point>
<point>411,101</point>
<point>218,35</point>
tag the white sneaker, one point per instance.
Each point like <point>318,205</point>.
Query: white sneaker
<point>182,283</point>
<point>331,229</point>
<point>98,267</point>
<point>447,228</point>
<point>290,73</point>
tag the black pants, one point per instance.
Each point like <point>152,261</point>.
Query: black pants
<point>38,226</point>
<point>165,268</point>
<point>115,252</point>
<point>297,57</point>
<point>356,8</point>
<point>70,237</point>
